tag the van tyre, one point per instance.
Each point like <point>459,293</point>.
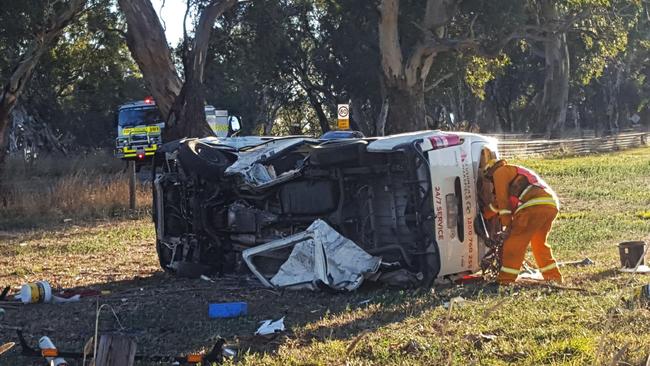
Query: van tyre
<point>204,160</point>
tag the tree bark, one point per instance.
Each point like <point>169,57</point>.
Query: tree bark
<point>553,109</point>
<point>318,108</point>
<point>404,78</point>
<point>148,45</point>
<point>23,71</point>
<point>406,110</point>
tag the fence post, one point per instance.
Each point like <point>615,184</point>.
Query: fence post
<point>115,350</point>
<point>132,185</point>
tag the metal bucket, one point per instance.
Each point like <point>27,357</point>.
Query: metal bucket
<point>631,252</point>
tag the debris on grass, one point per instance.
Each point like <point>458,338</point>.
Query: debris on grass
<point>206,278</point>
<point>49,351</point>
<point>269,327</point>
<point>454,301</point>
<point>227,310</point>
<point>320,255</point>
<point>6,347</point>
<point>479,339</point>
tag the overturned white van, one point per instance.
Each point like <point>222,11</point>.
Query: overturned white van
<point>409,199</point>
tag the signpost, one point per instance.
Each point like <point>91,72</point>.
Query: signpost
<point>343,111</point>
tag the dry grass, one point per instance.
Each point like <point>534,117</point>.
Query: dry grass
<point>56,188</point>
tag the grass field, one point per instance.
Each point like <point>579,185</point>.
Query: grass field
<point>606,200</point>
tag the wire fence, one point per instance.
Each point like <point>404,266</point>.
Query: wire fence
<point>510,146</point>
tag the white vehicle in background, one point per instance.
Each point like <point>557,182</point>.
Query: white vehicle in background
<point>410,199</point>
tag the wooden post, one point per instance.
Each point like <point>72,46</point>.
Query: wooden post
<point>115,350</point>
<point>132,179</point>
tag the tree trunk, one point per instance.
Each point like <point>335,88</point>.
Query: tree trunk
<point>404,78</point>
<point>553,109</point>
<point>148,46</point>
<point>407,111</point>
<point>23,71</point>
<point>318,108</point>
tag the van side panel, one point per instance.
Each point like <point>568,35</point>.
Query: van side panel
<point>453,178</point>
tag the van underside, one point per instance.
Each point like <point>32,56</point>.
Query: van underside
<point>207,210</point>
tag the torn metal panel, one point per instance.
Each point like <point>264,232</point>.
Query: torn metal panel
<point>320,254</point>
<point>260,153</point>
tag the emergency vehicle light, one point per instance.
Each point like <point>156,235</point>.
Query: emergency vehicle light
<point>148,100</point>
<point>141,156</point>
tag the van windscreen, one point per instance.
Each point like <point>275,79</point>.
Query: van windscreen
<point>136,116</point>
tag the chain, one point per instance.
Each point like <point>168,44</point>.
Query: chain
<point>491,262</point>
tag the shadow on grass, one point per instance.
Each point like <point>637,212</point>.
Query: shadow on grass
<point>15,224</point>
<point>167,315</point>
<point>601,275</point>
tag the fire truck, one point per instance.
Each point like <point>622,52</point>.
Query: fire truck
<point>140,126</point>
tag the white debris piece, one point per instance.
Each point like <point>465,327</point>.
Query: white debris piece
<point>457,301</point>
<point>320,254</point>
<point>329,257</point>
<point>531,274</point>
<point>269,327</point>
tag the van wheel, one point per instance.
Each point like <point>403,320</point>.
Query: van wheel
<point>204,160</point>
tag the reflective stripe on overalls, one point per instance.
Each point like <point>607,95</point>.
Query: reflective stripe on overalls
<point>499,212</point>
<point>533,181</point>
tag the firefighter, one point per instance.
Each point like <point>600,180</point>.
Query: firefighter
<point>526,207</point>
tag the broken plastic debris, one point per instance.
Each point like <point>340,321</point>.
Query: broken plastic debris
<point>228,352</point>
<point>206,278</point>
<point>6,347</point>
<point>270,327</point>
<point>531,273</point>
<point>61,300</point>
<point>48,348</point>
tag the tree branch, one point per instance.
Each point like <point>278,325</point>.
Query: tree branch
<point>437,82</point>
<point>202,33</point>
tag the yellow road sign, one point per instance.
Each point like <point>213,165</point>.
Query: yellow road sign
<point>343,112</point>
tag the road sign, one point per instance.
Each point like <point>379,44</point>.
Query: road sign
<point>343,112</point>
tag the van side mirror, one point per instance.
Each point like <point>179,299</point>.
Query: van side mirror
<point>234,123</point>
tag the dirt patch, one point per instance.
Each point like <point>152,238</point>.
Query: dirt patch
<point>166,315</point>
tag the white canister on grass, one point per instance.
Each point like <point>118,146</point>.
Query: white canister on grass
<point>35,292</point>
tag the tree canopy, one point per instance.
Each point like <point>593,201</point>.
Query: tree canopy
<point>542,66</point>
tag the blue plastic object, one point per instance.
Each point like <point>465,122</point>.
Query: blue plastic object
<point>227,309</point>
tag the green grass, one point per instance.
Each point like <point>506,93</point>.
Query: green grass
<point>605,200</point>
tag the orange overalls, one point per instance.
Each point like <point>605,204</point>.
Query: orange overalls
<point>528,206</point>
